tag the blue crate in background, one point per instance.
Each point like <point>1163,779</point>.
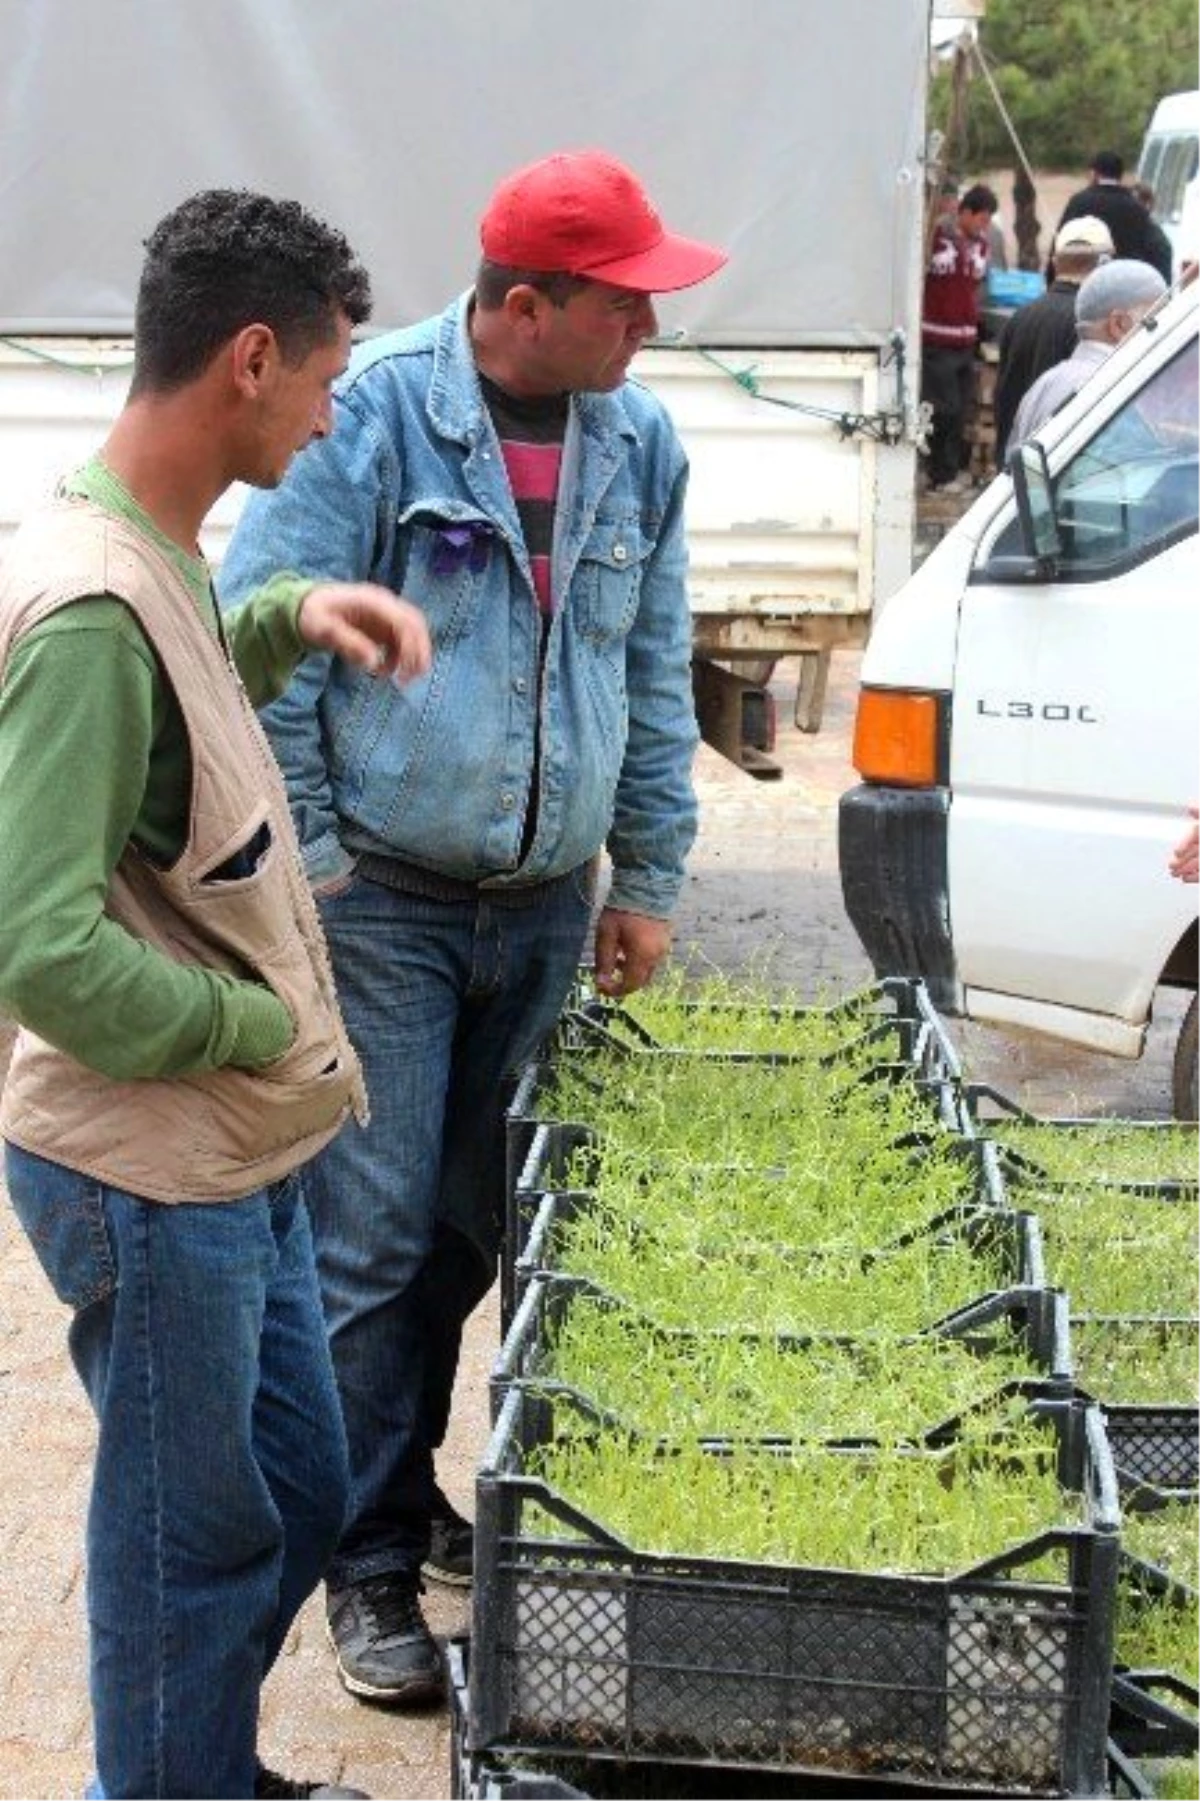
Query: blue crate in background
<point>1014,287</point>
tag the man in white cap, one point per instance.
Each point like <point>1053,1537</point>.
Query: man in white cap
<point>496,463</point>
<point>1109,304</point>
<point>1043,333</point>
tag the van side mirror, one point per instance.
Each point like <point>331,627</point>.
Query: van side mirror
<point>1041,544</point>
<point>1035,505</point>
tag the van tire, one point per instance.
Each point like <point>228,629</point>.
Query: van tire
<point>1183,1087</point>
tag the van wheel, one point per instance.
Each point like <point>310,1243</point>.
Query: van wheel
<point>1183,1087</point>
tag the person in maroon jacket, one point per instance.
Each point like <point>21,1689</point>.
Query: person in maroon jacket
<point>958,263</point>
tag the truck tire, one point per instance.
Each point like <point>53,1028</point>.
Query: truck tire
<point>1183,1086</point>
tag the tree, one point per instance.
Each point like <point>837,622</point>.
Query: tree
<point>1075,77</point>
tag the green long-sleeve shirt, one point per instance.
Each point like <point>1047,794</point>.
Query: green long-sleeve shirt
<point>94,753</point>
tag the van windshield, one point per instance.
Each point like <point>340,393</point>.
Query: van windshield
<point>1135,485</point>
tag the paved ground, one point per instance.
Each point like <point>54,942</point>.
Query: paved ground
<point>763,893</point>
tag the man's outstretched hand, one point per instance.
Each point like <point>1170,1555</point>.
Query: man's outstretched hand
<point>367,625</point>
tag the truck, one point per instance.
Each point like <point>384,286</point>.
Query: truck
<point>1026,726</point>
<point>790,132</point>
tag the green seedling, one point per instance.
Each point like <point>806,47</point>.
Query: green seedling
<point>833,1194</point>
<point>886,1512</point>
<point>675,1385</point>
<point>1134,1361</point>
<point>1166,1538</point>
<point>895,1292</point>
<point>1102,1153</point>
<point>1120,1254</point>
<point>1157,1633</point>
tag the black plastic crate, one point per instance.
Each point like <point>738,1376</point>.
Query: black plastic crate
<point>545,1776</point>
<point>1015,1235</point>
<point>1154,1712</point>
<point>977,1681</point>
<point>1156,1450</point>
<point>1038,1316</point>
<point>987,1107</point>
<point>892,999</point>
<point>539,1150</point>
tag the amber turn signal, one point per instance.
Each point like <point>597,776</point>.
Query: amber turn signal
<point>896,737</point>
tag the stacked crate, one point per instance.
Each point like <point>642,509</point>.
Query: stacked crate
<point>1116,1205</point>
<point>591,1652</point>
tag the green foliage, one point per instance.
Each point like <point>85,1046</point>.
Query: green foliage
<point>1120,1152</point>
<point>1119,1254</point>
<point>1076,78</point>
<point>1156,1631</point>
<point>887,1511</point>
<point>1151,1364</point>
<point>727,1013</point>
<point>727,1387</point>
<point>854,1194</point>
<point>899,1291</point>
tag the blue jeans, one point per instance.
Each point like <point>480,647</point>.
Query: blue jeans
<point>220,1481</point>
<point>443,1000</point>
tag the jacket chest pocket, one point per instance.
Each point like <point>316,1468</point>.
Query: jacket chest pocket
<point>447,571</point>
<point>608,580</point>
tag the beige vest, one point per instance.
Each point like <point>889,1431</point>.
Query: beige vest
<point>226,1132</point>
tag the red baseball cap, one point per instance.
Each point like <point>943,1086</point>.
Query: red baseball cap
<point>584,213</point>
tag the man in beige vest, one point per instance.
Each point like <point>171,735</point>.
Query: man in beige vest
<point>181,1050</point>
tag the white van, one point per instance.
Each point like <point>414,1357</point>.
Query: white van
<point>1170,162</point>
<point>1027,726</point>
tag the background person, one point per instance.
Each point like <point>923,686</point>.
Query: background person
<point>1133,232</point>
<point>497,463</point>
<point>1163,255</point>
<point>1109,304</point>
<point>950,331</point>
<point>182,1051</point>
<point>1043,333</point>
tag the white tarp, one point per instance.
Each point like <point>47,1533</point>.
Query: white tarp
<point>789,131</point>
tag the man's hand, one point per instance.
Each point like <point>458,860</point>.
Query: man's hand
<point>629,948</point>
<point>1185,858</point>
<point>367,625</point>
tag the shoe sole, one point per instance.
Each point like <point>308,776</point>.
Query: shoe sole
<point>448,1578</point>
<point>422,1691</point>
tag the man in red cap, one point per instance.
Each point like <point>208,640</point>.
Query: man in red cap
<point>497,464</point>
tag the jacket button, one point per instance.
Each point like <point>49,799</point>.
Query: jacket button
<point>508,802</point>
<point>619,553</point>
<point>520,684</point>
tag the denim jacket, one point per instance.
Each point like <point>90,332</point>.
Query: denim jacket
<point>410,490</point>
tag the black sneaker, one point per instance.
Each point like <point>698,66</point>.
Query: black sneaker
<point>271,1786</point>
<point>385,1651</point>
<point>451,1556</point>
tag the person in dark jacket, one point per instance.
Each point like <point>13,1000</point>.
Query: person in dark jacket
<point>1043,333</point>
<point>1164,255</point>
<point>1133,231</point>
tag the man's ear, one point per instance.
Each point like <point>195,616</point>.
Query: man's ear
<point>523,307</point>
<point>254,353</point>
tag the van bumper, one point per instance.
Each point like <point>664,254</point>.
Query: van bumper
<point>893,853</point>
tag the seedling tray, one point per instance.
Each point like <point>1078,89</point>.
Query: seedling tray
<point>987,1107</point>
<point>980,1680</point>
<point>1013,1236</point>
<point>897,1006</point>
<point>1037,1317</point>
<point>1154,1712</point>
<point>539,1149</point>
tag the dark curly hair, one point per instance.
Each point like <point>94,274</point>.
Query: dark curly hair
<point>228,258</point>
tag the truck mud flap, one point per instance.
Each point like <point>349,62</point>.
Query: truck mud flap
<point>892,850</point>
